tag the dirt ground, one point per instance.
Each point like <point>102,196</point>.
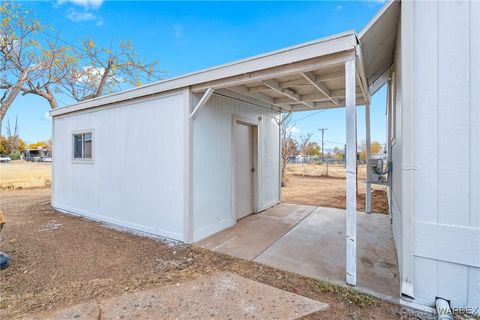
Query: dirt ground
<point>329,192</point>
<point>60,260</point>
<point>23,174</point>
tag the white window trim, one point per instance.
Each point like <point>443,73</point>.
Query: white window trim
<point>83,160</point>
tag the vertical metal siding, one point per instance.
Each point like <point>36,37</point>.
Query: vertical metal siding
<point>136,178</point>
<point>213,162</point>
<point>447,152</point>
<point>396,208</point>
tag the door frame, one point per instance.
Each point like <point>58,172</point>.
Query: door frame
<point>255,125</point>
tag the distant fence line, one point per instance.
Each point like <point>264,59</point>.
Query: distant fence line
<point>26,184</point>
<point>316,160</point>
<point>320,160</point>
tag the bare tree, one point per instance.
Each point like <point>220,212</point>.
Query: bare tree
<point>290,146</point>
<point>24,62</point>
<point>35,62</point>
<point>96,70</point>
<point>12,142</point>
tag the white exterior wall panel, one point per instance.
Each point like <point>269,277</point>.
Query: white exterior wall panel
<point>213,162</point>
<point>136,179</point>
<point>396,145</point>
<point>446,182</point>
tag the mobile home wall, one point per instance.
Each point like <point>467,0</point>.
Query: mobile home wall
<point>445,123</point>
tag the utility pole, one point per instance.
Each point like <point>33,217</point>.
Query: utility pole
<point>323,152</point>
<point>323,130</point>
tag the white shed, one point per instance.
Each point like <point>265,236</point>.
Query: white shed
<point>186,157</point>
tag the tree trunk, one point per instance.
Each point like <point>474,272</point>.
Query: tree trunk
<point>7,103</point>
<point>52,101</point>
<point>284,170</point>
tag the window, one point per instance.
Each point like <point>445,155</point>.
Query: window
<point>82,146</point>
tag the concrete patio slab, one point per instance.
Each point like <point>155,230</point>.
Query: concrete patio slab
<point>311,241</point>
<point>316,248</point>
<point>223,296</point>
<point>253,234</point>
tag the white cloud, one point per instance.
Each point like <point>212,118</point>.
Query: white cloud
<point>77,16</point>
<point>82,16</point>
<point>178,34</point>
<point>83,10</point>
<point>293,129</point>
<point>99,22</point>
<point>86,4</point>
<point>46,116</point>
<point>338,8</point>
<point>92,76</point>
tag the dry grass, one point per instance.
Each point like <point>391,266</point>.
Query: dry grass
<point>320,170</point>
<point>23,174</point>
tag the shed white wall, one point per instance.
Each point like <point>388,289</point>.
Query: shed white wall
<point>446,152</point>
<point>213,161</point>
<point>137,177</point>
<point>396,149</point>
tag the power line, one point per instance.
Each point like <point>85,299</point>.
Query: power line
<point>310,115</point>
<point>336,142</point>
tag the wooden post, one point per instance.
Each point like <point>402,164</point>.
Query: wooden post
<point>368,185</point>
<point>351,173</point>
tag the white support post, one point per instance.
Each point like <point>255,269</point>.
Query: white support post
<point>351,172</point>
<point>202,102</point>
<point>368,184</point>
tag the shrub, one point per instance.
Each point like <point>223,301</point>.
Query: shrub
<point>15,155</point>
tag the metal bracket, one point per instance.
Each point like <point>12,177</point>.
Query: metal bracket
<point>202,102</point>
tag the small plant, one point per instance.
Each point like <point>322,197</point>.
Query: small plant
<point>15,155</point>
<point>348,295</point>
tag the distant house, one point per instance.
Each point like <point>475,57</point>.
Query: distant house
<point>38,154</point>
<point>217,142</point>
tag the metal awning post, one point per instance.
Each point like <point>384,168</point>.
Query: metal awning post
<point>351,172</point>
<point>368,185</point>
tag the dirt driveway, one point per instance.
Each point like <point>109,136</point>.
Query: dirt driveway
<point>60,260</point>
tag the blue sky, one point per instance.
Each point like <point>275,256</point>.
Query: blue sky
<point>188,36</point>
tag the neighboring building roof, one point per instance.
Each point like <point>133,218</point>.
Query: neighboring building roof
<point>302,77</point>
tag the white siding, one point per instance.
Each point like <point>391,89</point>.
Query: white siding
<point>446,97</point>
<point>396,147</point>
<point>137,177</point>
<point>213,162</point>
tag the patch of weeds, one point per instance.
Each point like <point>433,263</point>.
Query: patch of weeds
<point>351,296</point>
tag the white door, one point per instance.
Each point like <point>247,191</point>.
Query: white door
<point>243,170</point>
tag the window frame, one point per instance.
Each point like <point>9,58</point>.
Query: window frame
<point>83,132</point>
